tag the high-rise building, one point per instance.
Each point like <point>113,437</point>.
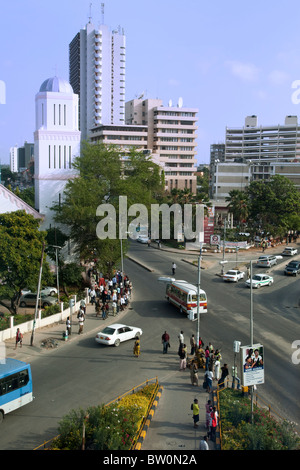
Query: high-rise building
<point>171,138</point>
<point>97,61</point>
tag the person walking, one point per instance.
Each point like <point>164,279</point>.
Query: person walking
<point>224,374</point>
<point>193,345</point>
<point>209,379</point>
<point>80,322</point>
<point>166,342</point>
<point>194,373</point>
<point>19,338</point>
<point>195,409</point>
<point>137,348</point>
<point>68,326</point>
<point>173,268</point>
<point>208,410</point>
<point>181,337</point>
<point>213,424</point>
<point>183,355</point>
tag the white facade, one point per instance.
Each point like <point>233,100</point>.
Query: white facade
<point>56,143</point>
<point>97,75</point>
<point>13,153</point>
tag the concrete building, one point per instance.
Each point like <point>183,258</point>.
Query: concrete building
<point>171,137</point>
<point>56,143</point>
<point>97,61</point>
<point>13,156</point>
<point>257,153</point>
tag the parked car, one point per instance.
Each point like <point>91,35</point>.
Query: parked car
<point>289,251</point>
<point>233,275</point>
<point>259,280</point>
<point>292,269</point>
<point>48,291</point>
<point>117,333</point>
<point>29,300</point>
<point>25,290</point>
<point>267,261</point>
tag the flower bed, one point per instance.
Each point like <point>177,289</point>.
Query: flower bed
<point>111,427</point>
<point>266,433</point>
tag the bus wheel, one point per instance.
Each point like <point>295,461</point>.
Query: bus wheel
<point>181,311</point>
<point>1,416</point>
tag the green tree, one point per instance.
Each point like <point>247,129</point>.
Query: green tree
<point>20,257</point>
<point>238,206</point>
<point>274,204</point>
<point>102,177</point>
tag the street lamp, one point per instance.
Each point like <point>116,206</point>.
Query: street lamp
<point>56,262</point>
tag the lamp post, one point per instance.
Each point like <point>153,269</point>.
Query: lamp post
<point>56,262</point>
<point>38,294</point>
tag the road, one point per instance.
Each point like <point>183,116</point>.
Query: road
<point>83,373</point>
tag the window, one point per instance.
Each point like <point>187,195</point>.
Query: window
<point>13,382</point>
<point>49,156</point>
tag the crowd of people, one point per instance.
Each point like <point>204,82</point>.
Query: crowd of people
<point>109,296</point>
<point>208,359</point>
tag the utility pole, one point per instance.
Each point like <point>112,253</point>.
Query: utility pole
<point>38,295</point>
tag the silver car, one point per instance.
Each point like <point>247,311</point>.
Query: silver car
<point>266,261</point>
<point>29,300</point>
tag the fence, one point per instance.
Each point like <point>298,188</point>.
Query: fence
<point>28,326</point>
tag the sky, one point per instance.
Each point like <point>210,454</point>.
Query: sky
<point>229,59</point>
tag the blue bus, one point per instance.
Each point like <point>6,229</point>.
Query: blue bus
<point>15,385</point>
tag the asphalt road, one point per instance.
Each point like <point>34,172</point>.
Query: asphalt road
<point>84,373</point>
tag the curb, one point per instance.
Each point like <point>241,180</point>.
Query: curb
<point>139,263</point>
<point>146,426</point>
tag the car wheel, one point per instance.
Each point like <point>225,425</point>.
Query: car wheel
<point>270,283</point>
<point>258,286</point>
<point>117,343</point>
<point>22,304</point>
<point>45,304</point>
<point>52,293</point>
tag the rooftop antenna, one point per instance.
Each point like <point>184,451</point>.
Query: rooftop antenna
<point>102,12</point>
<point>90,17</point>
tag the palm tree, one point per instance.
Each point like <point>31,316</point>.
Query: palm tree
<point>238,205</point>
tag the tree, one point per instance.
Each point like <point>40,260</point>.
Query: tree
<point>102,176</point>
<point>20,257</point>
<point>274,204</point>
<point>238,205</point>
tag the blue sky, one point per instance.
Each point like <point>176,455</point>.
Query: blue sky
<point>228,59</point>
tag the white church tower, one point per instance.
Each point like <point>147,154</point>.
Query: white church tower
<point>56,143</point>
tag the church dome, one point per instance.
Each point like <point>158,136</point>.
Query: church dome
<point>56,84</point>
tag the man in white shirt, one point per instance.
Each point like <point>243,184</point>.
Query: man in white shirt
<point>203,444</point>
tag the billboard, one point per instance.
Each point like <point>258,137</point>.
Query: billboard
<point>252,363</point>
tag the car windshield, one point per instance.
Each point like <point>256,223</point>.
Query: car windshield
<point>231,272</point>
<point>256,278</point>
<point>108,331</point>
<point>293,264</point>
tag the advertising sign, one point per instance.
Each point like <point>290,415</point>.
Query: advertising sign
<point>252,362</point>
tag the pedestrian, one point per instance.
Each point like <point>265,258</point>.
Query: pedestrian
<point>224,374</point>
<point>114,307</point>
<point>208,410</point>
<point>195,409</point>
<point>213,424</point>
<point>92,295</point>
<point>183,355</point>
<point>193,345</point>
<point>19,338</point>
<point>97,307</point>
<point>206,358</point>
<point>194,373</point>
<point>80,321</point>
<point>201,343</point>
<point>181,337</point>
<point>83,305</point>
<point>173,268</point>
<point>137,348</point>
<point>208,377</point>
<point>203,444</point>
<point>166,342</point>
<point>68,326</point>
<point>218,358</point>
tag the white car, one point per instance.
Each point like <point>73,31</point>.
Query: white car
<point>289,251</point>
<point>260,280</point>
<point>117,333</point>
<point>48,291</point>
<point>142,239</point>
<point>234,275</point>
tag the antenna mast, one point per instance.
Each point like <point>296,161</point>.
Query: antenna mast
<point>102,12</point>
<point>90,17</point>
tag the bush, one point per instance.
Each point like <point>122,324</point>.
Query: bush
<point>111,427</point>
<point>266,433</point>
